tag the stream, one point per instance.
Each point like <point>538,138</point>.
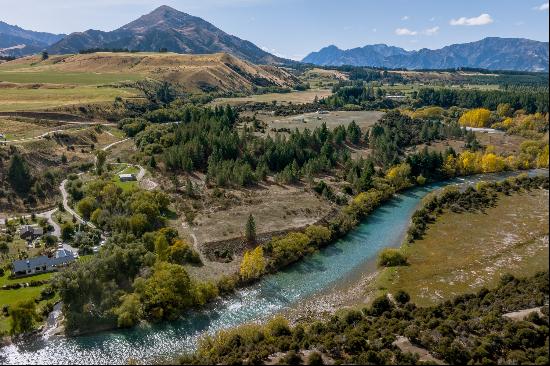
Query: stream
<point>326,270</point>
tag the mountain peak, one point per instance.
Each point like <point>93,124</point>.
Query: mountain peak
<point>166,11</point>
<point>169,29</point>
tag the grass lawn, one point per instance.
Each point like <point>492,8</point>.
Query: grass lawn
<point>463,252</point>
<point>126,186</point>
<point>10,297</point>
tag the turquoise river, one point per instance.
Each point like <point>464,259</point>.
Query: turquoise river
<point>328,268</point>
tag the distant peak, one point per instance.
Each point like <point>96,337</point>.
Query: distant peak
<point>165,10</point>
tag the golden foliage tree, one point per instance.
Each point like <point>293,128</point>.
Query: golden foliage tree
<point>253,264</point>
<point>399,175</point>
<point>478,117</point>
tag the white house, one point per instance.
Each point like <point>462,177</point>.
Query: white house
<point>126,177</point>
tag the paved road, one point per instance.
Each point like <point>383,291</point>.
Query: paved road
<point>68,208</point>
<point>114,143</point>
<point>48,215</point>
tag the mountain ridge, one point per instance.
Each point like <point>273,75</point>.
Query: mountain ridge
<point>493,53</point>
<point>16,41</point>
<point>169,29</point>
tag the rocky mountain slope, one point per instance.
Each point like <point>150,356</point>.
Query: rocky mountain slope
<point>169,29</point>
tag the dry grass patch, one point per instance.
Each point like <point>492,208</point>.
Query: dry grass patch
<point>274,207</point>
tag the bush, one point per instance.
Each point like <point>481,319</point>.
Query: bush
<point>291,358</point>
<point>315,358</point>
<point>402,297</point>
<point>390,257</point>
<point>380,305</point>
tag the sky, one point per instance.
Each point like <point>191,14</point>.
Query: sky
<point>293,28</point>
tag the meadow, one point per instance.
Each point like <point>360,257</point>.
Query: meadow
<point>463,252</point>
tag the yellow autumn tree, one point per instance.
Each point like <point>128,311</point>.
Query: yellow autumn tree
<point>449,167</point>
<point>399,175</point>
<point>542,158</point>
<point>491,163</point>
<point>469,162</point>
<point>253,264</point>
<point>504,110</point>
<point>478,117</point>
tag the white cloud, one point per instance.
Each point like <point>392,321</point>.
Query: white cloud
<point>374,30</point>
<point>406,17</point>
<point>408,32</point>
<point>432,19</point>
<point>483,19</point>
<point>541,7</point>
<point>431,31</point>
<point>405,32</point>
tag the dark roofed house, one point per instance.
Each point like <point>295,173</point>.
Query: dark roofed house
<point>42,264</point>
<point>30,232</point>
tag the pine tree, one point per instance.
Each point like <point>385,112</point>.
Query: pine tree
<point>250,229</point>
<point>19,175</point>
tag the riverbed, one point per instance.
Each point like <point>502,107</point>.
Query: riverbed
<point>333,271</point>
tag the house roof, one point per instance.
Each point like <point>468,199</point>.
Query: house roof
<point>62,257</point>
<point>126,175</point>
<point>25,264</point>
<point>35,230</point>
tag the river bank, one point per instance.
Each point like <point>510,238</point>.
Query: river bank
<point>324,272</point>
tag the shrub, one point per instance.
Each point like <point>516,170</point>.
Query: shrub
<point>390,257</point>
<point>315,358</point>
<point>402,297</point>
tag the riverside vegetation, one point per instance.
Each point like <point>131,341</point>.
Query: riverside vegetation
<point>470,329</point>
<point>142,273</point>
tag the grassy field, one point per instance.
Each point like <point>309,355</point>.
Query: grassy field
<point>15,99</point>
<point>365,120</point>
<point>71,78</point>
<point>295,97</point>
<point>503,144</point>
<point>463,252</point>
<point>17,130</point>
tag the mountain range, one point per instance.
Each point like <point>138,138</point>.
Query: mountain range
<point>489,53</point>
<point>16,41</point>
<point>168,29</point>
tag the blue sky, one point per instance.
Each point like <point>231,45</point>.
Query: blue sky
<point>293,28</point>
